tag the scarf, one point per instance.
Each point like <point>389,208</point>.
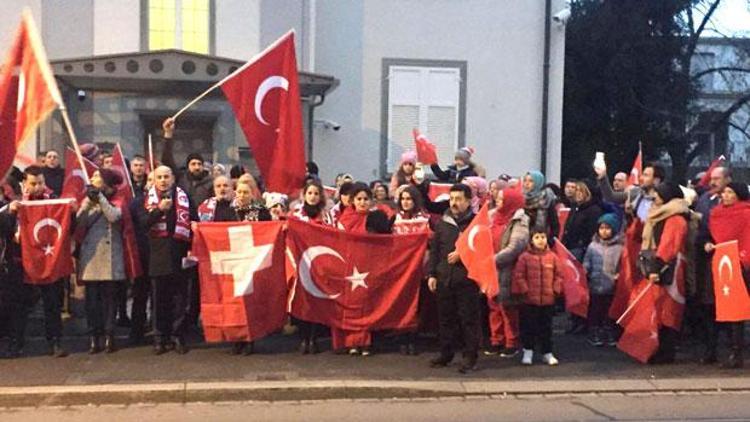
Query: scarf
<point>535,195</point>
<point>411,222</point>
<point>730,223</point>
<point>207,209</point>
<point>311,214</point>
<point>352,221</point>
<point>182,213</point>
<point>478,187</point>
<point>513,200</point>
<point>658,214</point>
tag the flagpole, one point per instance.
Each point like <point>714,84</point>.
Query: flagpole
<point>74,140</point>
<point>150,152</point>
<point>126,170</point>
<point>233,74</point>
<point>635,302</point>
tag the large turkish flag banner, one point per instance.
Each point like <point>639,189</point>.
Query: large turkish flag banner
<point>474,246</point>
<point>732,301</point>
<point>243,287</point>
<point>44,228</point>
<point>264,95</point>
<point>28,91</point>
<point>355,282</point>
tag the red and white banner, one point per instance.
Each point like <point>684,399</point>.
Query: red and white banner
<point>74,185</point>
<point>355,282</point>
<point>474,246</point>
<point>732,301</point>
<point>243,287</point>
<point>575,284</point>
<point>635,173</point>
<point>640,337</point>
<point>44,228</point>
<point>439,191</point>
<point>264,95</point>
<point>28,92</point>
<point>122,199</point>
<point>426,150</point>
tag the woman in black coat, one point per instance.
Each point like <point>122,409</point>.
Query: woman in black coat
<point>582,222</point>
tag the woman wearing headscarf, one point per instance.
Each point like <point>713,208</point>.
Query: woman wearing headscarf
<point>663,249</point>
<point>479,189</point>
<point>540,205</point>
<point>729,221</point>
<point>510,236</point>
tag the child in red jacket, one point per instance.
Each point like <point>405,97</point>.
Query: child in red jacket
<point>537,278</point>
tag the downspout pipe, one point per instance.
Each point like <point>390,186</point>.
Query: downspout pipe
<point>545,84</point>
<point>310,121</point>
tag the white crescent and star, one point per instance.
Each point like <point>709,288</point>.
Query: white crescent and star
<point>472,234</point>
<point>725,262</point>
<point>48,248</point>
<point>357,279</point>
<point>267,85</point>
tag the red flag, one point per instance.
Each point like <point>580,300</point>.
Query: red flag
<point>28,92</point>
<point>732,301</point>
<point>635,172</point>
<point>330,191</point>
<point>640,338</point>
<point>243,288</point>
<point>629,273</point>
<point>439,191</point>
<point>264,95</point>
<point>426,152</point>
<point>562,216</point>
<point>122,199</point>
<point>707,176</point>
<point>355,282</point>
<point>75,181</point>
<point>575,286</point>
<point>44,228</point>
<point>474,246</point>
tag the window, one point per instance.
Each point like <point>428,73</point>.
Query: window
<point>182,24</point>
<point>703,61</point>
<point>428,97</point>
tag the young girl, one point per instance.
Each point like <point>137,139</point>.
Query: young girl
<point>538,279</point>
<point>602,263</point>
<point>405,174</point>
<point>410,217</point>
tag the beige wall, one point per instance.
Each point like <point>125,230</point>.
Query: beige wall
<point>117,26</point>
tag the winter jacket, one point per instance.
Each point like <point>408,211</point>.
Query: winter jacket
<point>452,174</point>
<point>704,275</point>
<point>54,178</point>
<point>165,253</point>
<point>537,277</point>
<point>443,243</point>
<point>513,242</point>
<point>198,188</point>
<point>581,226</point>
<point>602,263</point>
<point>101,251</point>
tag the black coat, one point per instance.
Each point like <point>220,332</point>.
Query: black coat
<point>53,178</point>
<point>452,174</point>
<point>165,253</point>
<point>582,223</point>
<point>443,242</point>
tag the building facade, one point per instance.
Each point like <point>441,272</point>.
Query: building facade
<point>468,73</point>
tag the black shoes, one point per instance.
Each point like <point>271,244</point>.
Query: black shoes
<point>109,344</point>
<point>409,349</point>
<point>159,347</point>
<point>468,366</point>
<point>179,345</point>
<point>509,352</point>
<point>441,361</point>
<point>709,358</point>
<point>55,349</point>
<point>15,349</point>
<point>94,345</point>
<point>735,360</point>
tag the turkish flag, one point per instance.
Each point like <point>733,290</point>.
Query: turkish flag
<point>426,151</point>
<point>330,191</point>
<point>355,282</point>
<point>28,92</point>
<point>640,338</point>
<point>264,94</point>
<point>75,181</point>
<point>44,228</point>
<point>439,191</point>
<point>243,288</point>
<point>707,175</point>
<point>474,246</point>
<point>635,172</point>
<point>629,274</point>
<point>732,301</point>
<point>122,199</point>
<point>575,285</point>
<point>562,216</point>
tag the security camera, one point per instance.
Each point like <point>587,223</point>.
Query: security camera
<point>81,95</point>
<point>328,124</point>
<point>562,16</point>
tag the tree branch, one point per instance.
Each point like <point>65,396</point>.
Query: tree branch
<point>696,35</point>
<point>721,69</point>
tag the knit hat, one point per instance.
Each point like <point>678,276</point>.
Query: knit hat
<point>741,189</point>
<point>465,154</point>
<point>409,157</point>
<point>669,191</point>
<point>193,156</point>
<point>612,220</point>
<point>110,177</point>
<point>89,151</point>
<point>274,198</point>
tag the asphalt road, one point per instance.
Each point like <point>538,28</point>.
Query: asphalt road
<point>701,407</point>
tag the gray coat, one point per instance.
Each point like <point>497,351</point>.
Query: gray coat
<point>513,242</point>
<point>602,263</point>
<point>101,251</point>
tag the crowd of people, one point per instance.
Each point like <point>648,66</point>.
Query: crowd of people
<point>671,230</point>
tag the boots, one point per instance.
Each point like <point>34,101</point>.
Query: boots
<point>109,343</point>
<point>94,345</point>
<point>56,349</point>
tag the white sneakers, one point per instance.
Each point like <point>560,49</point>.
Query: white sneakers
<point>528,358</point>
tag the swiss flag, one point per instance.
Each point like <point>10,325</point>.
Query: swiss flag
<point>575,286</point>
<point>426,151</point>
<point>635,172</point>
<point>474,246</point>
<point>707,176</point>
<point>640,338</point>
<point>75,180</point>
<point>732,301</point>
<point>28,92</point>
<point>264,94</point>
<point>439,191</point>
<point>355,282</point>
<point>44,228</point>
<point>243,288</point>
<point>122,199</point>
